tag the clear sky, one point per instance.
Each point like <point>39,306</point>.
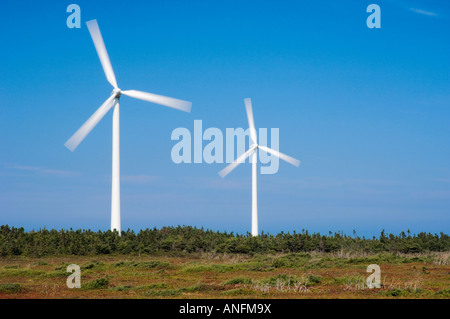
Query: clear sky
<point>367,111</point>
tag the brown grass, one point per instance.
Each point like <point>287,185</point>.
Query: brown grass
<point>315,275</point>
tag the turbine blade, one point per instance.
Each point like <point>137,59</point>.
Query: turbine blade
<point>101,51</point>
<point>159,99</point>
<point>251,122</point>
<point>87,127</point>
<point>284,157</point>
<point>238,161</point>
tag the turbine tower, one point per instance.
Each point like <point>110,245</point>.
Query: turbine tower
<point>252,151</point>
<point>113,102</point>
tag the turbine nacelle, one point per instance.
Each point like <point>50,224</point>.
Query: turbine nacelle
<point>117,93</point>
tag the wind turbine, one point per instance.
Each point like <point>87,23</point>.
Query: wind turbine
<point>113,102</point>
<point>252,151</point>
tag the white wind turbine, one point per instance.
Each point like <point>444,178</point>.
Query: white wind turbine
<point>252,152</point>
<point>113,102</point>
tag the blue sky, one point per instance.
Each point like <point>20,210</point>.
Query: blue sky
<point>367,111</point>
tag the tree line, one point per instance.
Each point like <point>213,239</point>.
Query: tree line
<point>186,239</point>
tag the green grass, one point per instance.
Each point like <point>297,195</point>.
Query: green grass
<point>399,292</point>
<point>238,292</point>
<point>201,287</point>
<point>281,279</point>
<point>198,275</point>
<point>350,280</point>
<point>239,281</point>
<point>39,263</point>
<point>152,286</point>
<point>101,283</point>
<point>153,264</point>
<point>122,288</point>
<point>20,272</point>
<point>445,293</point>
<point>314,280</point>
<point>10,288</point>
<point>218,268</point>
<point>162,293</point>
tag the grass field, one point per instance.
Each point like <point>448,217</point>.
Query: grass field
<point>301,275</point>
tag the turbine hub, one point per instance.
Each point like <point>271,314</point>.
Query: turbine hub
<point>117,93</point>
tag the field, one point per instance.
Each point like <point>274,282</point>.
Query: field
<point>213,275</point>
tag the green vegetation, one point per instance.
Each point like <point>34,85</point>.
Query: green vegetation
<point>163,293</point>
<point>143,265</point>
<point>239,281</point>
<point>152,286</point>
<point>123,288</point>
<point>238,292</point>
<point>445,293</point>
<point>188,240</point>
<point>10,288</point>
<point>214,275</point>
<point>357,280</point>
<point>186,262</point>
<point>313,280</point>
<point>409,292</point>
<point>101,283</point>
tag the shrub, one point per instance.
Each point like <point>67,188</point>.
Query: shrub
<point>281,279</point>
<point>291,261</point>
<point>313,280</point>
<point>152,286</point>
<point>201,287</point>
<point>350,280</point>
<point>101,283</point>
<point>88,266</point>
<point>444,293</point>
<point>238,281</point>
<point>10,288</point>
<point>123,288</point>
<point>40,263</point>
<point>238,292</point>
<point>55,274</point>
<point>12,267</point>
<point>179,240</point>
<point>395,292</point>
<point>20,272</point>
<point>280,263</point>
<point>213,268</point>
<point>143,264</point>
<point>163,293</point>
<point>152,264</point>
<point>258,266</point>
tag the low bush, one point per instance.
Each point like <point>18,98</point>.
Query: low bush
<point>239,281</point>
<point>101,283</point>
<point>152,286</point>
<point>10,288</point>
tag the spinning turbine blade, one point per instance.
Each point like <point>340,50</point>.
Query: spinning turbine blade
<point>251,122</point>
<point>284,157</point>
<point>101,51</point>
<point>238,161</point>
<point>87,127</point>
<point>159,99</point>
